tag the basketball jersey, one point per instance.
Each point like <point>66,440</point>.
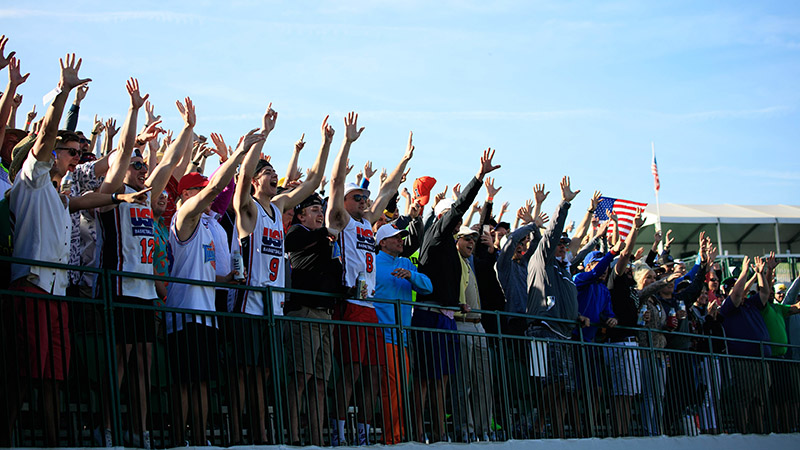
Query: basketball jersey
<point>128,246</point>
<point>262,254</point>
<point>194,258</point>
<point>357,244</point>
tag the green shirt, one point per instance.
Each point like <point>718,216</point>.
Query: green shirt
<point>774,317</point>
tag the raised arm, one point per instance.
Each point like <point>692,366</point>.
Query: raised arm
<point>15,78</point>
<point>108,139</point>
<point>551,236</point>
<point>290,199</point>
<point>630,241</point>
<point>189,213</point>
<point>336,215</point>
<point>389,187</point>
<point>160,176</point>
<point>292,168</point>
<point>243,202</point>
<point>583,227</point>
<point>737,293</point>
<point>12,118</point>
<point>46,140</point>
<point>116,174</point>
<point>75,109</point>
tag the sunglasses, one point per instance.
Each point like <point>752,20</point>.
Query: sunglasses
<point>713,279</point>
<point>72,152</point>
<point>360,197</point>
<point>138,165</point>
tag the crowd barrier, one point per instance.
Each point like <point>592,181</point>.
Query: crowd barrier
<point>262,388</point>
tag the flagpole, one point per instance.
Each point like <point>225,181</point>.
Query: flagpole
<point>658,207</point>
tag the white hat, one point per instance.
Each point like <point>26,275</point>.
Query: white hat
<point>387,231</point>
<point>442,206</point>
<point>350,187</point>
<point>466,231</point>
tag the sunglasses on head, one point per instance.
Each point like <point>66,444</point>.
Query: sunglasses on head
<point>72,152</point>
<point>138,165</point>
<point>360,197</point>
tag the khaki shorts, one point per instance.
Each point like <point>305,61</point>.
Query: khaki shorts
<point>309,344</point>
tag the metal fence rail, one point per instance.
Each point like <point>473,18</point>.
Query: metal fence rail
<point>298,379</point>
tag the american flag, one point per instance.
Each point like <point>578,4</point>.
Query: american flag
<point>624,209</point>
<point>654,169</point>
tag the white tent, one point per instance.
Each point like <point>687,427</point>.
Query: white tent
<point>735,229</point>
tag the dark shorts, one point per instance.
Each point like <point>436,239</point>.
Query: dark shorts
<point>246,340</point>
<point>435,354</point>
<point>193,353</point>
<point>355,344</point>
<point>134,325</point>
<point>43,338</point>
<point>560,368</point>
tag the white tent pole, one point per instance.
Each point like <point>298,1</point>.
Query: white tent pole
<point>658,207</point>
<point>719,237</point>
<point>777,239</point>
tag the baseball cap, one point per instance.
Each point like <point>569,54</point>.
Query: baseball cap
<point>780,288</point>
<point>387,231</point>
<point>262,163</point>
<point>350,187</point>
<point>442,206</point>
<point>505,225</point>
<point>192,180</point>
<point>422,189</point>
<point>592,257</point>
<point>466,231</point>
<point>564,239</point>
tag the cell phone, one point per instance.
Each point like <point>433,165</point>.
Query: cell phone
<point>487,229</point>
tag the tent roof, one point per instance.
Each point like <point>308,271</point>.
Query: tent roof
<point>725,214</point>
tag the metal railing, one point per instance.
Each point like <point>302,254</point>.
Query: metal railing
<point>250,379</point>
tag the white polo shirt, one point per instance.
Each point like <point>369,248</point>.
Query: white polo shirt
<point>42,226</point>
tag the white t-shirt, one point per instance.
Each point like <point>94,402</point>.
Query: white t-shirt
<point>357,242</point>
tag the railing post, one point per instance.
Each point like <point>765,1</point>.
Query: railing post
<point>765,387</point>
<point>274,340</point>
<point>111,355</point>
<point>406,403</point>
<point>501,355</point>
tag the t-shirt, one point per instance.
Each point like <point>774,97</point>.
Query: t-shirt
<point>745,322</point>
<point>315,264</point>
<point>774,315</point>
<point>625,302</point>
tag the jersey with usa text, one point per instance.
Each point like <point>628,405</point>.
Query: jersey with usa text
<point>357,242</point>
<point>194,258</point>
<point>128,246</point>
<point>262,254</point>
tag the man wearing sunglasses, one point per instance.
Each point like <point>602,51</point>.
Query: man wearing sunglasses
<point>129,244</point>
<point>42,228</point>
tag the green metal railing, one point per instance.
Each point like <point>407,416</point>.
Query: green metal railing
<point>604,390</point>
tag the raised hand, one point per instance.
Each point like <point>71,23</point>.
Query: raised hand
<point>669,239</point>
<point>349,167</point>
<point>619,246</point>
<point>150,132</point>
<point>80,94</point>
<point>4,60</point>
<point>15,76</point>
<point>168,138</point>
<point>383,178</point>
<point>187,112</point>
<point>249,139</point>
<point>772,263</point>
<point>368,171</point>
<point>132,86</point>
<point>657,237</point>
<point>491,191</point>
<point>486,163</point>
<point>351,130</point>
<point>440,196</point>
<point>327,131</point>
<point>524,215</point>
<point>612,215</point>
<point>595,199</point>
<point>539,194</point>
<point>504,208</point>
<point>269,120</point>
<point>97,127</point>
<point>17,101</point>
<point>638,254</point>
<point>638,221</point>
<point>603,228</point>
<point>410,147</point>
<point>566,191</point>
<point>476,207</point>
<point>111,128</point>
<point>415,210</point>
<point>322,183</point>
<point>300,143</point>
<point>456,190</point>
<point>32,114</point>
<point>541,219</point>
<point>222,149</point>
<point>403,178</point>
<point>69,73</point>
<point>760,264</point>
<point>149,113</point>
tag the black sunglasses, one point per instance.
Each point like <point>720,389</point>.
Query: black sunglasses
<point>138,165</point>
<point>360,197</point>
<point>72,152</point>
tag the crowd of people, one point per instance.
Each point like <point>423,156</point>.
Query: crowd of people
<point>142,204</point>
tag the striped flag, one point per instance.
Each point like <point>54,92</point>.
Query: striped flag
<point>624,209</point>
<point>654,169</point>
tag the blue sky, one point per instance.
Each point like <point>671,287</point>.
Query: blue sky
<point>558,88</point>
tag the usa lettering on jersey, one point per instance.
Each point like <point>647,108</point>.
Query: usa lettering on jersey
<point>209,255</point>
<point>365,239</point>
<point>141,221</point>
<point>272,242</point>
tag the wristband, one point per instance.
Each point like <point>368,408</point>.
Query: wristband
<point>490,199</point>
<point>196,163</point>
<point>114,199</point>
<point>590,210</point>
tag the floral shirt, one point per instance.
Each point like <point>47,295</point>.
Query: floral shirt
<point>84,227</point>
